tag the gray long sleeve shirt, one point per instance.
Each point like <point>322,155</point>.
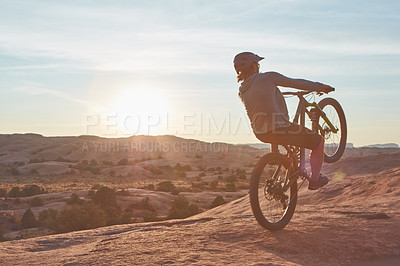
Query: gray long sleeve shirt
<point>264,102</point>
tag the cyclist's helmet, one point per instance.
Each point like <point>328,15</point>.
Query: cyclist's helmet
<point>243,61</point>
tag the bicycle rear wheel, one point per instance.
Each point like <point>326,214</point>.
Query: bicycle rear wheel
<point>335,143</point>
<point>273,205</point>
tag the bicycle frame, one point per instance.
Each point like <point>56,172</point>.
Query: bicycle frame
<point>300,119</point>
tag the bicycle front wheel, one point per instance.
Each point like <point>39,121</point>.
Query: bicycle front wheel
<point>273,191</point>
<point>333,129</point>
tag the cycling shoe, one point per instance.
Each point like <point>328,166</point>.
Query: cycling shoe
<point>322,181</point>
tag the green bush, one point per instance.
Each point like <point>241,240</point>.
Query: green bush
<point>48,218</point>
<point>87,216</point>
<point>165,186</point>
<point>26,191</point>
<point>219,200</point>
<point>231,179</point>
<point>105,197</point>
<point>181,209</point>
<point>152,218</point>
<point>36,202</point>
<point>214,185</point>
<point>75,199</point>
<point>3,192</point>
<point>15,192</point>
<point>28,219</point>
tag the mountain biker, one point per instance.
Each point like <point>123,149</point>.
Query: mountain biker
<point>268,114</point>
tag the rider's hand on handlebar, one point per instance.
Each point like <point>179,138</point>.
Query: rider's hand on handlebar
<point>327,88</point>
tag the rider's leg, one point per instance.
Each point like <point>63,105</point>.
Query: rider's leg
<point>316,160</point>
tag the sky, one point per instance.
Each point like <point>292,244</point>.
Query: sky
<point>120,68</point>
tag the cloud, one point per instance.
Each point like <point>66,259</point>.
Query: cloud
<point>163,39</point>
<point>35,89</point>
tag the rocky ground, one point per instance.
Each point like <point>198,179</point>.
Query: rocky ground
<point>352,222</point>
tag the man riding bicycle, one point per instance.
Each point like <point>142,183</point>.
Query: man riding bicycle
<point>268,114</point>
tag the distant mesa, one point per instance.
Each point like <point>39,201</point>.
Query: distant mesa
<point>349,145</point>
<point>386,145</point>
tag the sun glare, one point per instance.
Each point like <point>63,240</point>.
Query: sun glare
<point>140,101</point>
<point>141,110</point>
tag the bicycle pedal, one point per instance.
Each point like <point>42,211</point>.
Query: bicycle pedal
<point>304,174</point>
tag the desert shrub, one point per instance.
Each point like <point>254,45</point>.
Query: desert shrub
<point>113,216</point>
<point>177,166</point>
<point>15,192</point>
<point>87,216</point>
<point>3,192</point>
<point>182,209</point>
<point>152,218</point>
<point>214,184</point>
<point>75,199</point>
<point>91,193</point>
<point>28,219</point>
<point>96,187</point>
<point>32,190</point>
<point>151,187</point>
<point>34,172</point>
<point>175,191</point>
<point>2,238</point>
<point>231,187</point>
<point>36,202</point>
<point>199,185</point>
<point>105,197</point>
<point>48,218</point>
<point>219,200</point>
<point>231,179</point>
<point>165,186</point>
<point>242,176</point>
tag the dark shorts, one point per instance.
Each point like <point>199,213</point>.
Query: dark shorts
<point>295,135</point>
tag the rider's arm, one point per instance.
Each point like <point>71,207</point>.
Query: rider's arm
<point>302,84</point>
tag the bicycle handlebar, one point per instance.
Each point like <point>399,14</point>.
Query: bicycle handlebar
<point>302,93</point>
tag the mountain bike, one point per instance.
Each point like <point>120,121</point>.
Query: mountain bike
<point>274,180</point>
